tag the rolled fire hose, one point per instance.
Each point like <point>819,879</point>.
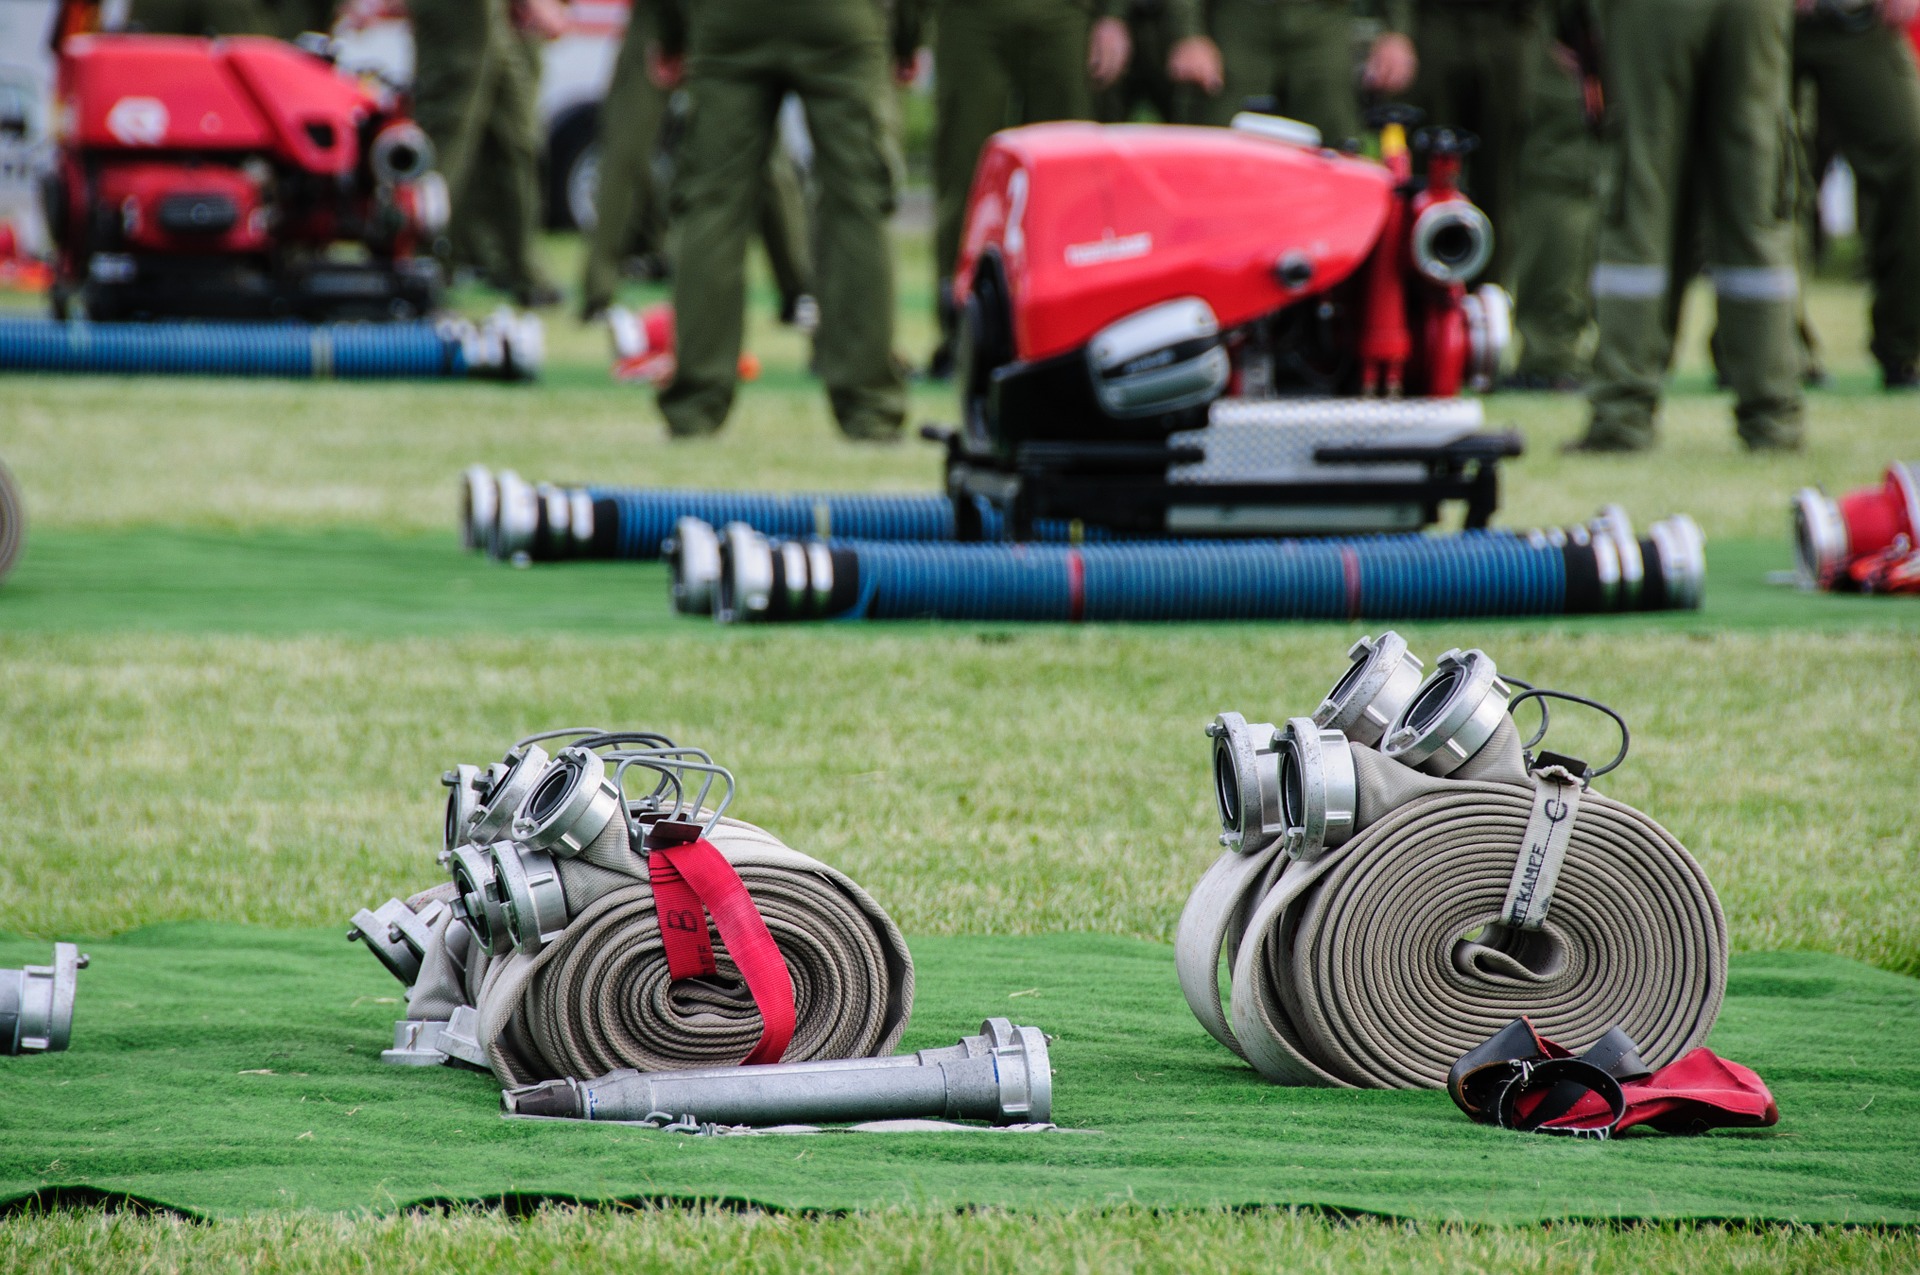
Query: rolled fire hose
<point>13,522</point>
<point>512,519</point>
<point>36,1003</point>
<point>503,347</point>
<point>546,956</point>
<point>743,576</point>
<point>1382,910</point>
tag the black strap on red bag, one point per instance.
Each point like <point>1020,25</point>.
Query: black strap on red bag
<point>1518,1079</point>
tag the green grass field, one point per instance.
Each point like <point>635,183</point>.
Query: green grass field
<point>282,770</point>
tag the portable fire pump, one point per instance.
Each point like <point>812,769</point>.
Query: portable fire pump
<point>1223,332</point>
<point>236,178</point>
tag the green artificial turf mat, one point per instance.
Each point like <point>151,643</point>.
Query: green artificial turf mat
<point>224,1070</point>
<point>364,583</point>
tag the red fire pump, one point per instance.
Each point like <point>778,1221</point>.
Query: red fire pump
<point>236,178</point>
<point>1125,287</point>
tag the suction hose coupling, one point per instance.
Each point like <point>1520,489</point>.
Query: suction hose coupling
<point>763,579</point>
<point>479,507</point>
<point>1383,678</point>
<point>693,563</point>
<point>401,152</point>
<point>1246,783</point>
<point>527,890</point>
<point>508,784</point>
<point>1828,534</point>
<point>1453,715</point>
<point>1004,1075</point>
<point>1319,792</point>
<point>36,1003</point>
<point>475,901</point>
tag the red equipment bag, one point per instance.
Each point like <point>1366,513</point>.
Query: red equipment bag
<point>1518,1079</point>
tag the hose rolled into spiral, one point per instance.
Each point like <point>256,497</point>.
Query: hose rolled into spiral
<point>13,522</point>
<point>1382,961</point>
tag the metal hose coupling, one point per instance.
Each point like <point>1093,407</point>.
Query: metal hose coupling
<point>397,935</point>
<point>1319,792</point>
<point>13,522</point>
<point>1383,678</point>
<point>1828,534</point>
<point>767,579</point>
<point>537,523</point>
<point>504,346</point>
<point>479,507</point>
<point>36,1003</point>
<point>1003,1075</point>
<point>1246,783</point>
<point>1452,716</point>
<point>693,565</point>
<point>1609,569</point>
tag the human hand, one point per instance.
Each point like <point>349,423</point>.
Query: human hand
<point>667,71</point>
<point>907,69</point>
<point>1391,64</point>
<point>1109,48</point>
<point>1196,61</point>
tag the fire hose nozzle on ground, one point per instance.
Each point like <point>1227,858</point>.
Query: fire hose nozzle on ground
<point>36,1003</point>
<point>1003,1075</point>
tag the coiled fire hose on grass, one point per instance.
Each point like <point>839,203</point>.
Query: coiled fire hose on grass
<point>504,346</point>
<point>585,930</point>
<point>1404,877</point>
<point>741,575</point>
<point>13,522</point>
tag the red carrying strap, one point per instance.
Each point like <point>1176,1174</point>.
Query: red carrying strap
<point>694,881</point>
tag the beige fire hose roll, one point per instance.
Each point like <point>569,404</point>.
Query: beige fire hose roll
<point>1383,960</point>
<point>600,997</point>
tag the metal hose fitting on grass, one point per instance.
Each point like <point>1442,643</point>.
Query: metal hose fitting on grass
<point>1377,918</point>
<point>36,1003</point>
<point>1572,571</point>
<point>504,346</point>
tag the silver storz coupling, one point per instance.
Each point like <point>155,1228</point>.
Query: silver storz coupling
<point>526,887</point>
<point>507,785</point>
<point>1382,679</point>
<point>36,1003</point>
<point>1319,793</point>
<point>693,564</point>
<point>474,901</point>
<point>1246,783</point>
<point>569,806</point>
<point>1004,1075</point>
<point>1454,714</point>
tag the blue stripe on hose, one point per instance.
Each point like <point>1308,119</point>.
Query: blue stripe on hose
<point>358,350</point>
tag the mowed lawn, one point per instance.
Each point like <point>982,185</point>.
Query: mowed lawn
<point>985,780</point>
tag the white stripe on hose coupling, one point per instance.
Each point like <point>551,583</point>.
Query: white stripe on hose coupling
<point>746,574</point>
<point>1452,717</point>
<point>1246,783</point>
<point>1682,549</point>
<point>1613,526</point>
<point>693,564</point>
<point>526,885</point>
<point>1382,679</point>
<point>517,520</point>
<point>1319,793</point>
<point>569,806</point>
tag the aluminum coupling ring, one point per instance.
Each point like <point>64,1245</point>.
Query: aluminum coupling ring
<point>1452,717</point>
<point>526,885</point>
<point>1379,683</point>
<point>1681,550</point>
<point>1319,792</point>
<point>466,791</point>
<point>474,904</point>
<point>570,805</point>
<point>36,1003</point>
<point>397,935</point>
<point>479,506</point>
<point>1614,526</point>
<point>1246,783</point>
<point>693,563</point>
<point>516,775</point>
<point>516,518</point>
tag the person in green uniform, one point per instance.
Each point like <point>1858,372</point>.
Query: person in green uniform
<point>1159,32</point>
<point>200,17</point>
<point>996,64</point>
<point>1478,59</point>
<point>1300,54</point>
<point>1555,227</point>
<point>475,77</point>
<point>1867,98</point>
<point>1698,93</point>
<point>738,60</point>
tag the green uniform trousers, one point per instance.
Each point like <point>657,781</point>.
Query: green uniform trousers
<point>1555,226</point>
<point>474,88</point>
<point>1699,91</point>
<point>1152,24</point>
<point>1867,96</point>
<point>1477,65</point>
<point>743,57</point>
<point>1298,52</point>
<point>200,17</point>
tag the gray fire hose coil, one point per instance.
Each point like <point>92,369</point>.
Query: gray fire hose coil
<point>1456,904</point>
<point>36,1003</point>
<point>13,522</point>
<point>542,956</point>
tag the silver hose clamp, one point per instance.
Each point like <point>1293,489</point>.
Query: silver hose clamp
<point>571,804</point>
<point>526,885</point>
<point>474,902</point>
<point>746,575</point>
<point>517,520</point>
<point>1682,550</point>
<point>519,771</point>
<point>1319,792</point>
<point>397,935</point>
<point>466,789</point>
<point>1819,536</point>
<point>1455,713</point>
<point>1246,783</point>
<point>793,571</point>
<point>36,1003</point>
<point>479,506</point>
<point>1616,528</point>
<point>693,565</point>
<point>1384,675</point>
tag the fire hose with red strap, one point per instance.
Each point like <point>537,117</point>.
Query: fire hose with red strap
<point>1403,877</point>
<point>585,931</point>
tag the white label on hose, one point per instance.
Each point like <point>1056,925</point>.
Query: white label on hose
<point>1556,800</point>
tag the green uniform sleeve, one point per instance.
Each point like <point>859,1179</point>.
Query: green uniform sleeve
<point>907,28</point>
<point>671,17</point>
<point>1184,19</point>
<point>1394,15</point>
